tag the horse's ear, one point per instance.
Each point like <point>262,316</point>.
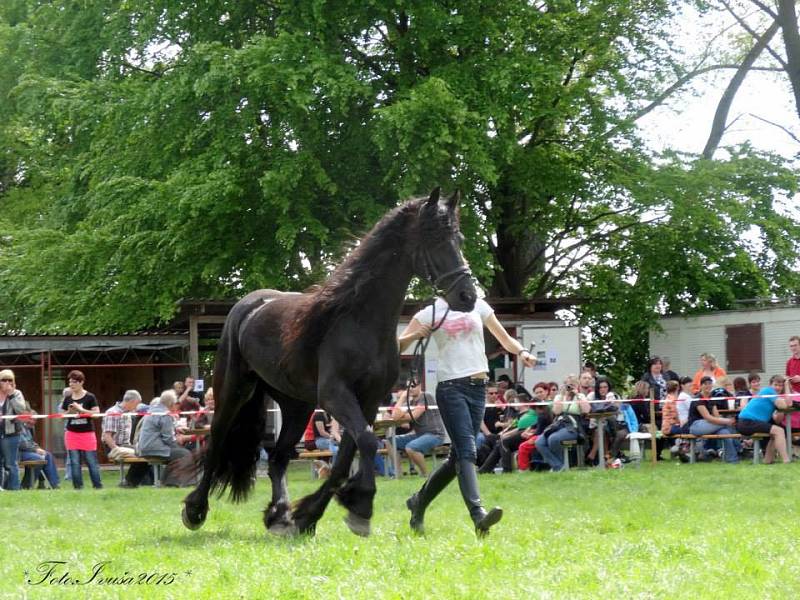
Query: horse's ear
<point>454,201</point>
<point>433,199</point>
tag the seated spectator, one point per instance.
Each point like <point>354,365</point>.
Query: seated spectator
<point>704,419</point>
<point>552,390</point>
<point>754,384</point>
<point>741,392</point>
<point>492,425</point>
<point>189,399</point>
<point>509,439</point>
<point>757,417</point>
<point>671,421</point>
<point>640,401</point>
<point>427,429</point>
<point>158,438</point>
<point>204,419</point>
<point>568,408</point>
<point>626,424</point>
<point>117,428</point>
<point>602,392</point>
<point>30,450</point>
<point>527,446</point>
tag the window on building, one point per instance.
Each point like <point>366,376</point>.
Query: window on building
<point>744,347</point>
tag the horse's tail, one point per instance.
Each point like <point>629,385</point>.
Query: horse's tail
<point>239,419</point>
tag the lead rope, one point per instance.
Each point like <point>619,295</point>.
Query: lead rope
<point>418,361</point>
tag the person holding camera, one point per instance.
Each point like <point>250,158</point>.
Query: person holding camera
<point>568,408</point>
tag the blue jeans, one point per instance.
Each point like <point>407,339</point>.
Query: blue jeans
<point>703,427</point>
<point>551,449</point>
<point>49,468</point>
<point>91,462</point>
<point>327,444</point>
<point>424,442</point>
<point>461,406</point>
<point>9,444</point>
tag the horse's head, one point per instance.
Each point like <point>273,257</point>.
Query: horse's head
<point>438,251</point>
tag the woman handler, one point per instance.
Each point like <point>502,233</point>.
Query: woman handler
<point>462,373</point>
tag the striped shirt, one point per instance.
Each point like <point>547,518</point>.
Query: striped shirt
<point>119,424</point>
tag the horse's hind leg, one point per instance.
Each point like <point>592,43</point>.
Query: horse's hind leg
<point>195,505</point>
<point>277,516</point>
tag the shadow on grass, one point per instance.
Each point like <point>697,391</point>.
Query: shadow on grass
<point>213,536</point>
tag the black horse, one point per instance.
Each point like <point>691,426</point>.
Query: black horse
<point>335,347</point>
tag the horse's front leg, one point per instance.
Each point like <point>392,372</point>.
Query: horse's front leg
<point>309,510</point>
<point>358,493</point>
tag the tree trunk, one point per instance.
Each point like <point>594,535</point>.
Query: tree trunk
<point>787,18</point>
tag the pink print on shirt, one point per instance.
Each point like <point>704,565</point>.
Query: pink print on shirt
<point>458,326</point>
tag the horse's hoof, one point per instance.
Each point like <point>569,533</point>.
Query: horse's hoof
<point>192,524</point>
<point>358,525</point>
<point>284,529</point>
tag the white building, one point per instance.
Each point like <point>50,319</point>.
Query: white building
<point>744,341</point>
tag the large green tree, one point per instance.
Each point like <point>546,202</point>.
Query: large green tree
<point>155,149</point>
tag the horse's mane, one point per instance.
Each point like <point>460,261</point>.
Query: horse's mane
<point>343,290</point>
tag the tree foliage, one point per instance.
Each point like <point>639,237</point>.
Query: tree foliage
<point>158,149</point>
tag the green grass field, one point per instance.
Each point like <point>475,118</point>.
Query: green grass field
<point>671,531</point>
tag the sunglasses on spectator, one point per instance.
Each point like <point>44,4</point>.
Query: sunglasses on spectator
<point>7,380</point>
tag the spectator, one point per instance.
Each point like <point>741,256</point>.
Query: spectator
<point>568,407</point>
<point>117,428</point>
<point>669,374</point>
<point>326,433</point>
<point>30,450</point>
<point>685,399</point>
<point>627,423</point>
<point>189,399</point>
<point>704,419</point>
<point>640,401</point>
<point>12,402</point>
<point>495,420</point>
<point>754,384</point>
<point>757,417</point>
<point>552,391</point>
<point>487,464</point>
<point>503,383</point>
<point>587,385</point>
<point>527,447</point>
<point>741,392</point>
<point>157,438</point>
<point>708,368</point>
<point>204,419</point>
<point>523,428</point>
<point>793,377</point>
<point>589,367</point>
<point>670,421</point>
<point>427,427</point>
<point>655,377</point>
<point>80,438</point>
<point>604,394</point>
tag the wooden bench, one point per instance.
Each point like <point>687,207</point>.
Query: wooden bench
<point>30,467</point>
<point>158,463</point>
<point>756,437</point>
<point>566,445</point>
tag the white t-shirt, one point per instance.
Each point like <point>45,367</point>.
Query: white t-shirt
<point>683,403</point>
<point>459,339</point>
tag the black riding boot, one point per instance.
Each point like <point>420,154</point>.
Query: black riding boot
<point>468,482</point>
<point>435,483</point>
